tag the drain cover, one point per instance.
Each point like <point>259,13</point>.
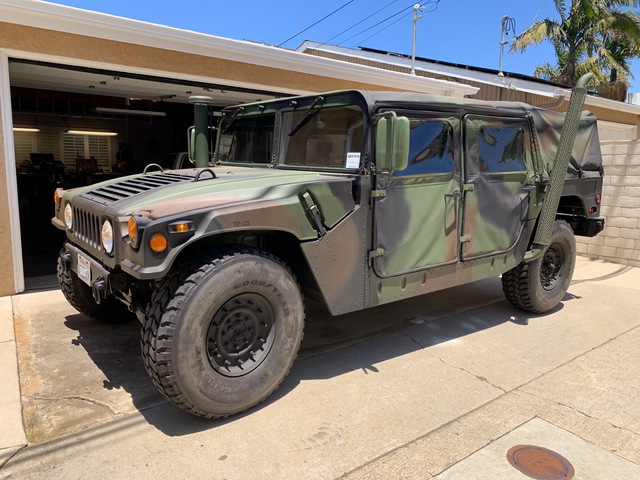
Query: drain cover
<point>540,463</point>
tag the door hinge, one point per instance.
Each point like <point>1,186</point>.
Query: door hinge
<point>465,238</point>
<point>468,187</point>
<point>378,193</point>
<point>379,252</point>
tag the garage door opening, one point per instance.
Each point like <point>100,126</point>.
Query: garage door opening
<point>78,126</point>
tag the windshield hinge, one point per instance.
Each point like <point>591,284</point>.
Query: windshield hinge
<point>468,187</point>
<point>378,193</point>
<point>465,238</point>
<point>378,252</point>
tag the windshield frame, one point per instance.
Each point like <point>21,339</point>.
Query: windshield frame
<point>310,104</point>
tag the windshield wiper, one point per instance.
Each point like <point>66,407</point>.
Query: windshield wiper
<point>232,119</point>
<point>307,116</point>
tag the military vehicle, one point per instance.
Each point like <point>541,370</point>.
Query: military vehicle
<point>353,198</point>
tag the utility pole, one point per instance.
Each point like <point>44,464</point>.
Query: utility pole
<point>508,23</point>
<point>416,8</point>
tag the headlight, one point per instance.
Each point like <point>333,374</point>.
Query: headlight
<point>68,216</point>
<point>107,236</point>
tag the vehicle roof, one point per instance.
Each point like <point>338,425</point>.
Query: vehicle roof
<point>409,100</point>
<point>378,99</point>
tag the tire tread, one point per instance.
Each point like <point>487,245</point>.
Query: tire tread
<point>167,301</point>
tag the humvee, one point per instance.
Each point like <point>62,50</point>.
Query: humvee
<point>354,198</point>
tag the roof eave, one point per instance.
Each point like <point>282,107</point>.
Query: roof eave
<point>50,16</point>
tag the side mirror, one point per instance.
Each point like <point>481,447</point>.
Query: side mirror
<point>392,142</point>
<point>191,143</point>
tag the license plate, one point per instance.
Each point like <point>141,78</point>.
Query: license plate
<point>84,269</point>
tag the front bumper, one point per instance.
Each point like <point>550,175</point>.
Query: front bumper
<point>102,280</point>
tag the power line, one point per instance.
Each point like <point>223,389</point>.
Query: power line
<point>410,7</point>
<point>316,23</point>
<point>433,4</point>
<point>382,29</point>
<point>541,8</point>
<point>361,21</point>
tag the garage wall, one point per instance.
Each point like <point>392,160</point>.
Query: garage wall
<point>6,258</point>
<point>7,272</point>
<point>620,240</point>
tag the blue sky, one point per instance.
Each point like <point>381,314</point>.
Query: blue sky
<point>459,31</point>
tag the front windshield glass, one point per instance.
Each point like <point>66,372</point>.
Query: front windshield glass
<point>330,137</point>
<point>247,140</point>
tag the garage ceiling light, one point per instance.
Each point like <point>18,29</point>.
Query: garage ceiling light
<point>26,129</point>
<point>124,111</point>
<point>98,133</point>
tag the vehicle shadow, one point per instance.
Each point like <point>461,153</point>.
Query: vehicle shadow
<point>373,336</point>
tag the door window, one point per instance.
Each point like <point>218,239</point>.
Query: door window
<point>430,148</point>
<point>501,149</point>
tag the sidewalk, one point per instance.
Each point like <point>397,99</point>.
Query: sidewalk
<point>12,436</point>
<point>461,379</point>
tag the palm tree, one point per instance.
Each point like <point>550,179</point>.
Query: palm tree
<point>581,33</point>
<point>620,42</point>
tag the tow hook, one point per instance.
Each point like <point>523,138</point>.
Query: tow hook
<point>65,260</point>
<point>99,289</point>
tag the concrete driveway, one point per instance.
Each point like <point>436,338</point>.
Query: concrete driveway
<point>441,386</point>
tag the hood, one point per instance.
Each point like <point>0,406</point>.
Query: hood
<point>166,193</point>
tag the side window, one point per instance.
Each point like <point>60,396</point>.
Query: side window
<point>501,149</point>
<point>247,140</point>
<point>430,148</point>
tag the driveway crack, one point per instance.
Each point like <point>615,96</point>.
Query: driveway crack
<point>77,397</point>
<point>581,413</point>
<point>479,377</point>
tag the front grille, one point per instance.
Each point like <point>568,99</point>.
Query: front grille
<point>86,227</point>
<point>127,188</point>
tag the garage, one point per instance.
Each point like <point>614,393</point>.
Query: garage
<point>86,96</point>
<point>74,126</point>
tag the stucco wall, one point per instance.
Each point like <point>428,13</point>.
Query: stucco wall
<point>6,258</point>
<point>620,240</point>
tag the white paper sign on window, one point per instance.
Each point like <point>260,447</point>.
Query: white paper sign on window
<point>353,160</point>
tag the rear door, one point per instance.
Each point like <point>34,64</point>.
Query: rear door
<point>498,180</point>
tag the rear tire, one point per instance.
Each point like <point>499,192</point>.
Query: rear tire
<point>222,331</point>
<point>540,285</point>
<point>79,296</point>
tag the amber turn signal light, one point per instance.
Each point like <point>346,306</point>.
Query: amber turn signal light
<point>158,243</point>
<point>133,232</point>
<point>181,227</point>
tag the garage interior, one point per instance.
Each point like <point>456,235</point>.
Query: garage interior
<point>75,126</point>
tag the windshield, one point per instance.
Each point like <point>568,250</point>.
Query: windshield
<point>330,137</point>
<point>247,140</point>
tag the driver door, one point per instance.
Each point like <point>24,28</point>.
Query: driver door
<point>416,218</point>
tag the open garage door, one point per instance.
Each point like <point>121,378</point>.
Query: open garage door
<point>75,126</point>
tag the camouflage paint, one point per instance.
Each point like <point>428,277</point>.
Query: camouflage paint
<point>239,199</point>
<point>382,237</point>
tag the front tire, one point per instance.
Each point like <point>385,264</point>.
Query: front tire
<point>540,285</point>
<point>222,331</point>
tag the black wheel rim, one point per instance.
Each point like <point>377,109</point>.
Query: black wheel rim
<point>240,335</point>
<point>552,270</point>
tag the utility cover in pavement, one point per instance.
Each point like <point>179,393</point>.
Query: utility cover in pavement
<point>540,463</point>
